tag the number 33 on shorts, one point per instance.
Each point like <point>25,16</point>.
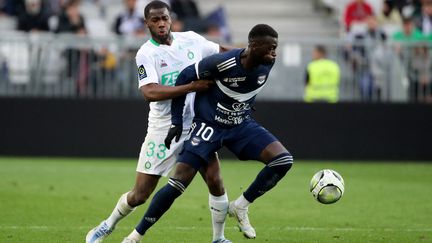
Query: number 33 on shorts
<point>155,158</point>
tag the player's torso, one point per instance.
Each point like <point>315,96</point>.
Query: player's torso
<point>171,60</point>
<point>230,102</point>
<point>168,62</point>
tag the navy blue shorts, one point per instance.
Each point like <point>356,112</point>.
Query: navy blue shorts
<point>246,141</point>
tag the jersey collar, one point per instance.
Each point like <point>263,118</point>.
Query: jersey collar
<point>156,43</point>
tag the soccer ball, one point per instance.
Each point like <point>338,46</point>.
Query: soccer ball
<point>327,186</point>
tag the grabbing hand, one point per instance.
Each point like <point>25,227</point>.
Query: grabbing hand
<point>174,131</point>
<point>201,85</point>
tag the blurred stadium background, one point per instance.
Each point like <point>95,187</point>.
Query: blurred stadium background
<point>71,90</point>
<point>73,93</point>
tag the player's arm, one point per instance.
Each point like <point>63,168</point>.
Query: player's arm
<point>188,75</point>
<point>150,87</point>
<point>156,92</point>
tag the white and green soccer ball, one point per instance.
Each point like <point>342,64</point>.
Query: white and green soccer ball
<point>327,186</point>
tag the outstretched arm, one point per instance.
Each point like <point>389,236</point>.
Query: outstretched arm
<point>205,69</point>
<point>186,77</point>
<point>156,92</point>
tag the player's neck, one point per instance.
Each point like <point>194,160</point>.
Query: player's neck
<point>167,41</point>
<point>247,62</point>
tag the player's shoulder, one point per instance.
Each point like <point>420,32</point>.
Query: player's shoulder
<point>146,50</point>
<point>225,57</point>
<point>188,35</point>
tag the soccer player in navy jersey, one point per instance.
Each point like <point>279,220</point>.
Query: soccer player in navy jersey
<point>223,118</point>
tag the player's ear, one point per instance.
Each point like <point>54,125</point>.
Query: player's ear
<point>252,44</point>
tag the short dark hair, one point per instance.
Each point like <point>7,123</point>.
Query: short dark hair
<point>407,20</point>
<point>262,30</point>
<point>321,49</point>
<point>155,5</point>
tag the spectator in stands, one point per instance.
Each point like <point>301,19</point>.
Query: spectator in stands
<point>409,8</point>
<point>103,71</point>
<point>420,74</point>
<point>33,18</point>
<point>389,15</point>
<point>72,21</point>
<point>4,69</point>
<point>217,25</point>
<point>55,7</point>
<point>416,58</point>
<point>322,78</point>
<point>177,25</point>
<point>130,21</point>
<point>424,21</point>
<point>364,44</point>
<point>187,11</point>
<point>11,7</point>
<point>356,12</point>
<point>409,32</point>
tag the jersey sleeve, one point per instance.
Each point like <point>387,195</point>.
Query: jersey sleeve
<point>146,70</point>
<point>207,68</point>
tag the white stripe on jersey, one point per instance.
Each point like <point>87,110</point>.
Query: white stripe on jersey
<point>196,70</point>
<point>226,64</point>
<point>235,95</point>
<point>223,108</point>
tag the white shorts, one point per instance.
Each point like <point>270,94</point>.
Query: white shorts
<point>155,158</point>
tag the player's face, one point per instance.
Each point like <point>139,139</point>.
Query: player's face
<point>159,24</point>
<point>264,49</point>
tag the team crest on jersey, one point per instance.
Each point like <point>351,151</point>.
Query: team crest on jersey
<point>195,141</point>
<point>142,72</point>
<point>163,63</point>
<point>261,79</point>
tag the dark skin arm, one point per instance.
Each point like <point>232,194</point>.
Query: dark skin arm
<point>156,92</point>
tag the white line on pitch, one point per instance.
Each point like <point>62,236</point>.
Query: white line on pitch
<point>45,227</point>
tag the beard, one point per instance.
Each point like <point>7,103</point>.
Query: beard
<point>160,38</point>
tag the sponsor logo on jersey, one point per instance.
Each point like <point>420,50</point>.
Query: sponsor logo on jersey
<point>262,79</point>
<point>234,81</point>
<point>226,64</point>
<point>142,72</point>
<point>241,106</point>
<point>169,79</point>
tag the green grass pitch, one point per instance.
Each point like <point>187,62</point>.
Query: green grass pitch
<point>59,200</point>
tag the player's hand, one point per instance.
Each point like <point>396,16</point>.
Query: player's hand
<point>175,131</point>
<point>201,85</point>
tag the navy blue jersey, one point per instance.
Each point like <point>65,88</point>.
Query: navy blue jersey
<point>229,102</point>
